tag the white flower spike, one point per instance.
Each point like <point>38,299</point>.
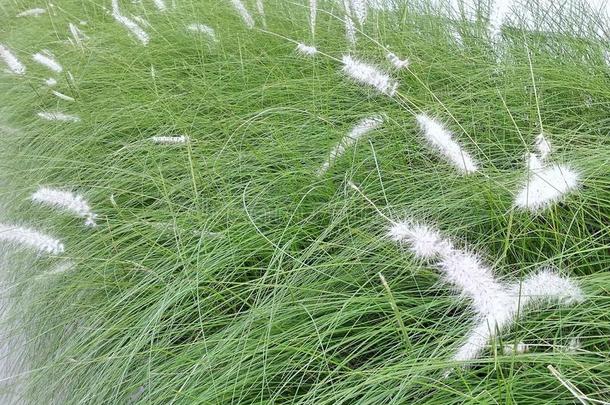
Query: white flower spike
<point>66,201</point>
<point>13,64</point>
<point>31,239</point>
<point>370,75</point>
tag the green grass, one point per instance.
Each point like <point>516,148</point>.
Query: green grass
<point>226,272</point>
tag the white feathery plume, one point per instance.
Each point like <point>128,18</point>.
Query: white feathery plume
<point>128,23</point>
<point>495,303</point>
<point>260,8</point>
<point>66,201</point>
<point>397,62</point>
<point>543,146</point>
<point>350,30</point>
<point>203,29</point>
<point>78,35</point>
<point>170,140</point>
<point>30,238</point>
<point>306,50</point>
<point>546,185</point>
<point>50,82</point>
<point>369,75</point>
<point>243,13</point>
<point>160,4</point>
<point>359,10</point>
<point>62,96</point>
<point>313,12</point>
<point>33,12</point>
<point>442,139</point>
<point>13,64</point>
<point>546,286</point>
<point>46,59</point>
<point>364,127</point>
<point>58,116</point>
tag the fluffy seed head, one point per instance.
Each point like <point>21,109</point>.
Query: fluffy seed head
<point>13,64</point>
<point>33,12</point>
<point>370,75</point>
<point>58,116</point>
<point>46,59</point>
<point>243,13</point>
<point>170,140</point>
<point>128,23</point>
<point>66,201</point>
<point>306,50</point>
<point>30,238</point>
<point>547,186</point>
<point>424,241</point>
<point>442,140</point>
<point>202,29</point>
<point>543,146</point>
<point>397,62</point>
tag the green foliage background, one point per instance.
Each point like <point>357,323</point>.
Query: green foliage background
<point>225,271</point>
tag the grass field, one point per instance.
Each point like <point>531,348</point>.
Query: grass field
<point>226,270</point>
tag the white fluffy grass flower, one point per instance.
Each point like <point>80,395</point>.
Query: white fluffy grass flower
<point>33,12</point>
<point>58,116</point>
<point>350,30</point>
<point>370,75</point>
<point>30,238</point>
<point>243,13</point>
<point>128,23</point>
<point>50,82</point>
<point>425,242</point>
<point>78,35</point>
<point>170,140</point>
<point>66,201</point>
<point>62,96</point>
<point>313,12</point>
<point>160,4</point>
<point>359,9</point>
<point>13,64</point>
<point>396,61</point>
<point>545,186</point>
<point>202,29</point>
<point>442,140</point>
<point>46,59</point>
<point>260,9</point>
<point>364,127</point>
<point>306,50</point>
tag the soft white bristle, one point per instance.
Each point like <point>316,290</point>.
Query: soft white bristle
<point>543,146</point>
<point>350,30</point>
<point>13,64</point>
<point>66,201</point>
<point>30,238</point>
<point>243,13</point>
<point>397,62</point>
<point>359,9</point>
<point>170,140</point>
<point>363,128</point>
<point>160,4</point>
<point>202,29</point>
<point>58,116</point>
<point>370,75</point>
<point>547,186</point>
<point>425,242</point>
<point>62,96</point>
<point>128,23</point>
<point>306,50</point>
<point>313,12</point>
<point>50,82</point>
<point>442,140</point>
<point>46,59</point>
<point>33,12</point>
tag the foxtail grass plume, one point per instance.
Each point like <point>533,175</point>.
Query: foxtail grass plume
<point>496,304</point>
<point>396,61</point>
<point>30,238</point>
<point>78,35</point>
<point>243,12</point>
<point>203,29</point>
<point>359,9</point>
<point>65,201</point>
<point>129,24</point>
<point>50,82</point>
<point>11,61</point>
<point>62,96</point>
<point>260,9</point>
<point>547,183</point>
<point>160,4</point>
<point>313,13</point>
<point>306,50</point>
<point>370,75</point>
<point>363,128</point>
<point>170,140</point>
<point>58,116</point>
<point>46,59</point>
<point>33,12</point>
<point>442,140</point>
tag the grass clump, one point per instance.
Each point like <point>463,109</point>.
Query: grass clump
<point>225,270</point>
